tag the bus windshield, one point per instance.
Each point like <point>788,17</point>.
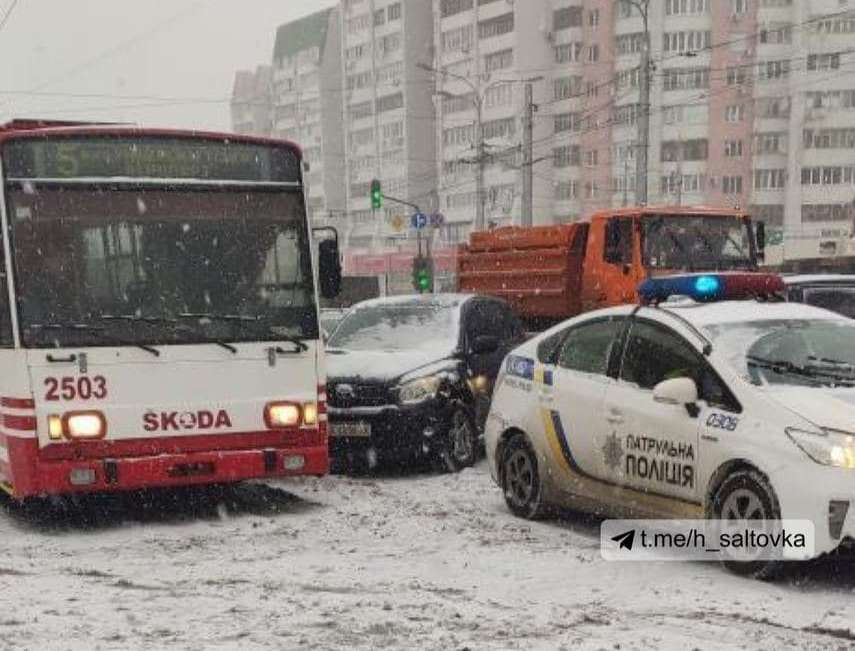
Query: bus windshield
<point>159,263</point>
<point>697,243</point>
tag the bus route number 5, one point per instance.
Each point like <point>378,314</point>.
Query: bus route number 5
<point>80,388</point>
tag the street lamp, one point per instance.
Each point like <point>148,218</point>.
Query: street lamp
<point>478,96</point>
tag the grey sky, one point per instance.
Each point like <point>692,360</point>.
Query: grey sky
<point>177,50</point>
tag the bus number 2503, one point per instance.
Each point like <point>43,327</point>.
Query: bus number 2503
<point>80,388</point>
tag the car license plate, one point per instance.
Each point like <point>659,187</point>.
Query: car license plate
<point>356,429</point>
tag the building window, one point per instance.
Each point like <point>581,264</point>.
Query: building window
<point>566,17</point>
<point>566,190</point>
<point>685,150</point>
<point>829,138</point>
<point>686,7</point>
<point>738,7</point>
<point>736,75</point>
<point>566,156</point>
<point>686,41</point>
<point>770,143</point>
<point>497,26</point>
<point>450,7</point>
<point>458,39</point>
<point>503,128</point>
<point>731,184</point>
<point>567,87</point>
<point>593,53</point>
<point>358,24</point>
<point>686,79</point>
<point>773,107</point>
<point>568,52</point>
<point>390,102</point>
<point>501,95</point>
<point>379,17</point>
<point>567,122</point>
<point>734,113</point>
<point>818,62</point>
<point>828,175</point>
<point>781,34</point>
<point>591,158</point>
<point>770,179</point>
<point>733,148</point>
<point>594,17</point>
<point>629,43</point>
<point>833,212</point>
<point>769,70</point>
<point>393,12</point>
<point>499,60</point>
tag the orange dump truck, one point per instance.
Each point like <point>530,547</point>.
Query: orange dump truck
<point>550,273</point>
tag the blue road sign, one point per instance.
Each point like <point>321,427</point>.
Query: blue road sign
<point>419,220</point>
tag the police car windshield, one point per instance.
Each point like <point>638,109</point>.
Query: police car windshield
<point>398,327</point>
<point>697,243</point>
<point>802,352</point>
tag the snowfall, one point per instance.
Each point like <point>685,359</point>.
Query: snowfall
<point>387,561</point>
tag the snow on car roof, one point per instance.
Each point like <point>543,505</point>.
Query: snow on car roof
<point>704,314</point>
<point>436,300</point>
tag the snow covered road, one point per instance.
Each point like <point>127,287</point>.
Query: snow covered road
<point>397,562</point>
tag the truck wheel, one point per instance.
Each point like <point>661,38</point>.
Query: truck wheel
<point>747,495</point>
<point>520,479</point>
<point>461,442</point>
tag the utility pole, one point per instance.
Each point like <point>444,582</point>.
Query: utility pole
<point>480,155</point>
<point>527,217</point>
<point>641,165</point>
<point>625,181</point>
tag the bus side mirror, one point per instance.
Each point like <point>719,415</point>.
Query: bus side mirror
<point>329,268</point>
<point>761,239</point>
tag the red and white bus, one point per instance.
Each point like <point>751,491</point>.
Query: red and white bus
<point>158,311</point>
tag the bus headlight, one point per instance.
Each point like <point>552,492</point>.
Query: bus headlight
<point>282,414</point>
<point>84,425</point>
<point>828,447</point>
<point>310,413</point>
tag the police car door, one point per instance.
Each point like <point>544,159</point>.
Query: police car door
<point>653,446</point>
<point>572,410</point>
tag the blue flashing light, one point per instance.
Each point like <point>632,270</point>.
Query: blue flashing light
<point>705,288</point>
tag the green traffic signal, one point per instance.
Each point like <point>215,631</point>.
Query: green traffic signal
<point>423,274</point>
<point>376,195</point>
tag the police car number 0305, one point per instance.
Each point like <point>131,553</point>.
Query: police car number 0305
<point>566,424</point>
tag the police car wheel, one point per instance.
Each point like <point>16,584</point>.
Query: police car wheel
<point>461,442</point>
<point>747,495</point>
<point>520,478</point>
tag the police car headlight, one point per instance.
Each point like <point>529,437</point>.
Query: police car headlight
<point>419,390</point>
<point>828,447</point>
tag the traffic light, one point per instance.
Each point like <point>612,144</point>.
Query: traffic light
<point>376,195</point>
<point>423,274</point>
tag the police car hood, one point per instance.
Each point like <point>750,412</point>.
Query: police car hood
<point>379,366</point>
<point>824,407</point>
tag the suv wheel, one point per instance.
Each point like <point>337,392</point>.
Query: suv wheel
<point>520,479</point>
<point>461,442</point>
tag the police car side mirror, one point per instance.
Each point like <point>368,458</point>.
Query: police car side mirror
<point>678,391</point>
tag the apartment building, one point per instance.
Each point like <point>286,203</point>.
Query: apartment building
<point>307,106</point>
<point>251,102</point>
<point>389,121</point>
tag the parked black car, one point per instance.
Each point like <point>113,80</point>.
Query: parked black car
<point>412,376</point>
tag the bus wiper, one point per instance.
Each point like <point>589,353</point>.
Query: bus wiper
<point>248,323</point>
<point>162,320</point>
<point>785,366</point>
<point>95,330</point>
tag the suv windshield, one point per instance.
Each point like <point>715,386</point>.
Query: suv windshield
<point>696,243</point>
<point>142,264</point>
<point>803,352</point>
<point>398,327</point>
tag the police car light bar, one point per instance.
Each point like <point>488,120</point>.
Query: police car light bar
<point>707,288</point>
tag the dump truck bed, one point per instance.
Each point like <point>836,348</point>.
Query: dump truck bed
<point>538,270</point>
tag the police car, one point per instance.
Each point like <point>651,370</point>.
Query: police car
<point>704,400</point>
